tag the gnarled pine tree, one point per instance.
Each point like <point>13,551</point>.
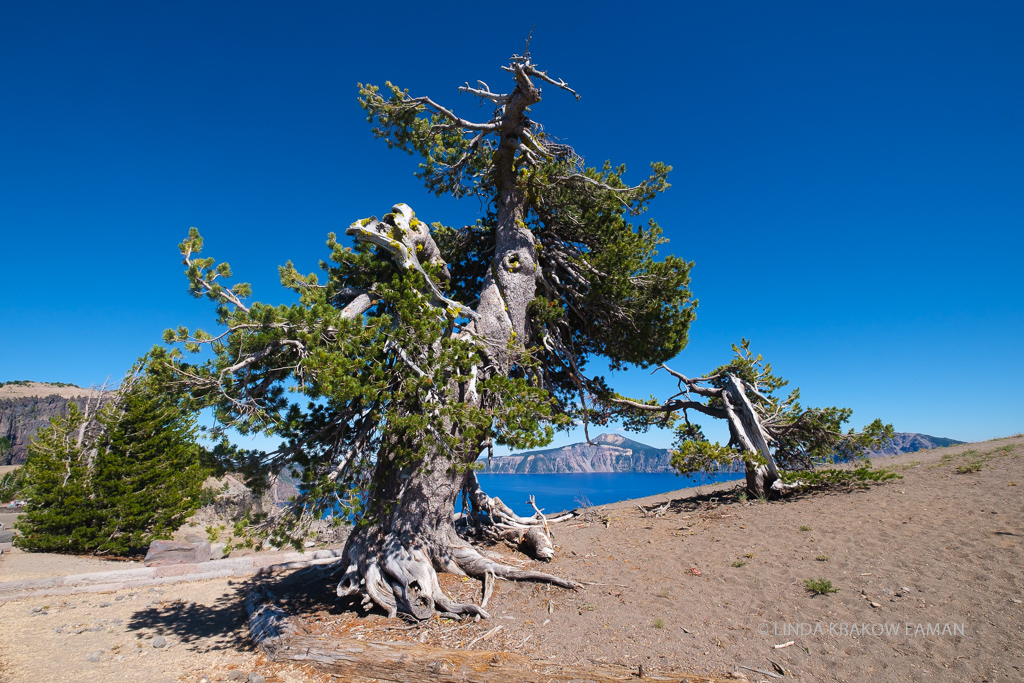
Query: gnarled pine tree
<point>768,434</point>
<point>425,345</point>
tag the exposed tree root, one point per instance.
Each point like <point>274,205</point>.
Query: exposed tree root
<point>496,521</point>
<point>398,571</point>
<point>476,565</point>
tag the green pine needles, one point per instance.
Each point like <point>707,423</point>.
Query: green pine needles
<point>12,484</point>
<point>113,480</point>
<point>422,345</point>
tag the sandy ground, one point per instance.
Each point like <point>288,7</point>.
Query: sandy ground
<point>930,572</point>
<point>935,547</point>
<point>17,564</point>
<point>54,638</point>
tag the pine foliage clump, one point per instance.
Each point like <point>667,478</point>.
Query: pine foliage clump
<point>420,346</point>
<point>61,512</point>
<point>112,478</point>
<point>770,436</point>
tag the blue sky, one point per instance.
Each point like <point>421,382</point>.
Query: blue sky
<point>848,179</point>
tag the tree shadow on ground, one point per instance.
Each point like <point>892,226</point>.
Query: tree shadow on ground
<point>224,625</point>
<point>708,502</point>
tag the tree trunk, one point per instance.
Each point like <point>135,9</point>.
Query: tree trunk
<point>746,428</point>
<point>511,283</point>
<point>395,559</point>
<point>759,480</point>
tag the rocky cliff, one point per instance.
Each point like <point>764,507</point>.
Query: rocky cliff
<point>608,453</point>
<point>616,453</point>
<point>25,407</point>
<point>909,442</point>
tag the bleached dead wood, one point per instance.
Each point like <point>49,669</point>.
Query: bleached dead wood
<point>402,662</point>
<point>488,588</point>
<point>656,510</point>
<point>267,622</point>
<point>283,639</point>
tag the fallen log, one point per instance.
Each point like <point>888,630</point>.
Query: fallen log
<point>402,662</point>
<point>282,639</point>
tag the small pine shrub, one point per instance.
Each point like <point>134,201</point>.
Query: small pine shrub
<point>820,586</point>
<point>861,477</point>
<point>133,477</point>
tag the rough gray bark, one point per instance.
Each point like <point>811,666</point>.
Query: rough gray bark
<point>511,283</point>
<point>394,559</point>
<point>746,426</point>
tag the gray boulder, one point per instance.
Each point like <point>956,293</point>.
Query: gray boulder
<point>173,552</point>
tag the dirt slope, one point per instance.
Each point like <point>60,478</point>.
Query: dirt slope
<point>934,548</point>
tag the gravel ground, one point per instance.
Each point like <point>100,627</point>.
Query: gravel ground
<point>114,636</point>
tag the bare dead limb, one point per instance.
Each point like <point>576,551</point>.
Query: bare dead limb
<point>531,535</point>
<point>404,238</point>
<point>488,588</point>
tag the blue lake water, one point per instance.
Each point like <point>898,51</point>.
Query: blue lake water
<point>557,492</point>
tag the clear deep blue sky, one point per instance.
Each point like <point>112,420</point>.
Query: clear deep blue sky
<point>849,180</point>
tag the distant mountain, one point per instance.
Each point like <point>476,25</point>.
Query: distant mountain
<point>909,442</point>
<point>608,453</point>
<point>616,453</point>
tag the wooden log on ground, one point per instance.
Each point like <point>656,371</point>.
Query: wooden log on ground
<point>282,639</point>
<point>401,662</point>
<point>267,623</point>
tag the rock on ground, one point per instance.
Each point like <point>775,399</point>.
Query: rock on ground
<point>163,553</point>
